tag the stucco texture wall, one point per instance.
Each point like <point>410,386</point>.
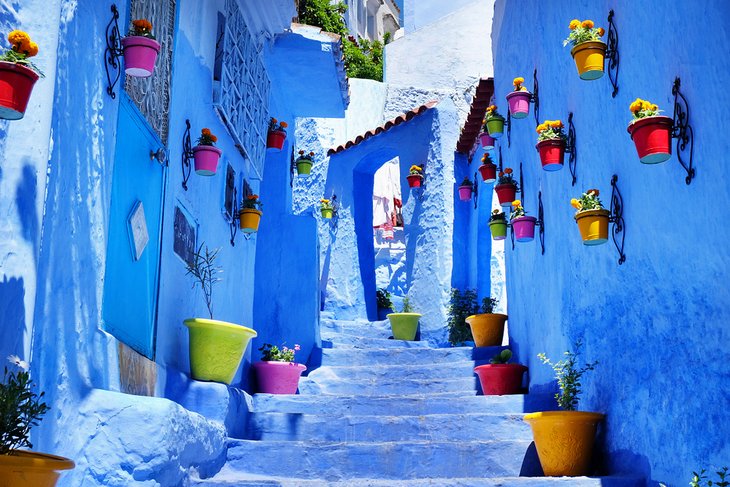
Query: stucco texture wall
<point>658,324</point>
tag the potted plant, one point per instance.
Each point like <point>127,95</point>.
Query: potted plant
<point>551,144</point>
<point>465,189</point>
<point>701,480</point>
<point>140,49</point>
<point>487,141</point>
<point>17,75</point>
<point>461,306</point>
<point>21,408</point>
<point>498,225</point>
<point>277,134</point>
<point>415,176</point>
<point>250,214</point>
<point>385,305</point>
<point>216,347</point>
<point>519,99</point>
<point>500,377</point>
<point>591,217</point>
<point>522,225</point>
<point>326,208</point>
<point>493,123</point>
<point>488,169</point>
<point>588,50</point>
<point>651,132</point>
<point>206,155</point>
<point>506,187</point>
<point>304,163</point>
<point>405,323</point>
<point>487,328</point>
<point>564,439</point>
<point>277,373</point>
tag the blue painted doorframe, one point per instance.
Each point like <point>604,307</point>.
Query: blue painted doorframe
<point>129,308</point>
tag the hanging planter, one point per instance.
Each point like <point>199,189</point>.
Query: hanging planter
<point>523,226</point>
<point>277,373</point>
<point>415,176</point>
<point>506,187</point>
<point>551,144</point>
<point>519,99</point>
<point>250,214</point>
<point>465,189</point>
<point>304,164</point>
<point>498,225</point>
<point>276,135</point>
<point>488,169</point>
<point>17,75</point>
<point>592,218</point>
<point>206,155</point>
<point>487,141</point>
<point>588,50</point>
<point>404,324</point>
<point>500,377</point>
<point>493,124</point>
<point>651,132</point>
<point>326,208</point>
<point>140,49</point>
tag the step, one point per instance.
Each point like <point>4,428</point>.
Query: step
<point>445,370</point>
<point>386,460</point>
<point>432,427</point>
<point>386,386</point>
<point>416,355</point>
<point>376,329</point>
<point>354,341</point>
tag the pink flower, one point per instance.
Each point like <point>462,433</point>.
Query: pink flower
<point>297,347</point>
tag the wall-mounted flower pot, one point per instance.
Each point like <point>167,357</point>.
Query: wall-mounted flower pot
<point>653,138</point>
<point>552,154</point>
<point>278,377</point>
<point>519,103</point>
<point>593,226</point>
<point>140,54</point>
<point>524,228</point>
<point>465,193</point>
<point>326,213</point>
<point>250,219</point>
<point>589,59</point>
<point>206,159</point>
<point>498,229</point>
<point>404,325</point>
<point>16,85</point>
<point>487,141</point>
<point>487,329</point>
<point>500,379</point>
<point>216,348</point>
<point>495,127</point>
<point>304,167</point>
<point>414,180</point>
<point>564,441</point>
<point>488,172</point>
<point>27,468</point>
<point>506,193</point>
<point>275,139</point>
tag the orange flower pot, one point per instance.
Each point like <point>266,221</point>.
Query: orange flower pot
<point>589,59</point>
<point>31,469</point>
<point>593,226</point>
<point>250,219</point>
<point>487,329</point>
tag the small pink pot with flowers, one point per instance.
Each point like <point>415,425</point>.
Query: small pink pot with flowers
<point>465,189</point>
<point>519,99</point>
<point>206,156</point>
<point>277,373</point>
<point>140,49</point>
<point>523,226</point>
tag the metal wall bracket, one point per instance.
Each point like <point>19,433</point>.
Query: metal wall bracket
<point>612,57</point>
<point>617,218</point>
<point>570,149</point>
<point>535,98</point>
<point>499,163</point>
<point>233,225</point>
<point>508,126</point>
<point>521,189</point>
<point>113,52</point>
<point>187,154</point>
<point>292,167</point>
<point>682,130</point>
<point>475,190</point>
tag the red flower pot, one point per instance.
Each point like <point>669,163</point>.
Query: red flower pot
<point>275,139</point>
<point>506,193</point>
<point>653,138</point>
<point>500,379</point>
<point>552,154</point>
<point>414,180</point>
<point>488,172</point>
<point>464,193</point>
<point>486,140</point>
<point>16,85</point>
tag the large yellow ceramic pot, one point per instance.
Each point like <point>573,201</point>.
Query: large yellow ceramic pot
<point>487,329</point>
<point>31,469</point>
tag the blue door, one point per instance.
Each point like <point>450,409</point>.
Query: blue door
<point>131,279</point>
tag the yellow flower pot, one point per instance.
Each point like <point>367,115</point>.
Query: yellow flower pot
<point>593,226</point>
<point>216,348</point>
<point>250,219</point>
<point>31,469</point>
<point>564,441</point>
<point>487,329</point>
<point>589,58</point>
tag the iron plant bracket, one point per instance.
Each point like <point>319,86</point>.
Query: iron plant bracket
<point>682,130</point>
<point>521,189</point>
<point>511,235</point>
<point>500,159</point>
<point>570,149</point>
<point>187,154</point>
<point>617,218</point>
<point>113,53</point>
<point>292,168</point>
<point>233,224</point>
<point>612,57</point>
<point>475,190</point>
<point>541,221</point>
<point>535,97</point>
<point>508,125</point>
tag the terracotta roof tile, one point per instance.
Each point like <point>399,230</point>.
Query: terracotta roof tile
<point>473,125</point>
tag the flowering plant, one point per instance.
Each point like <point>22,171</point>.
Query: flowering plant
<point>416,170</point>
<point>20,407</point>
<point>272,353</point>
<point>642,109</point>
<point>581,32</point>
<point>466,182</point>
<point>505,177</point>
<point>207,137</point>
<point>497,215</point>
<point>303,155</point>
<point>517,210</point>
<point>21,48</point>
<point>550,130</point>
<point>252,202</point>
<point>487,159</point>
<point>325,204</point>
<point>141,27</point>
<point>589,201</point>
<point>276,126</point>
<point>517,82</point>
<point>491,113</point>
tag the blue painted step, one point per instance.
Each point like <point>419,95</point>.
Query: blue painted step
<point>446,370</point>
<point>409,356</point>
<point>386,386</point>
<point>355,341</point>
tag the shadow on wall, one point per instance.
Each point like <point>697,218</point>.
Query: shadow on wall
<point>25,200</point>
<point>12,317</point>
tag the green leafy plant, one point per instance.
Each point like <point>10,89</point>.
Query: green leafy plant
<point>502,357</point>
<point>643,108</point>
<point>584,31</point>
<point>699,478</point>
<point>20,408</point>
<point>251,202</point>
<point>589,201</point>
<point>550,130</point>
<point>204,271</point>
<point>569,376</point>
<point>272,353</point>
<point>407,308</point>
<point>383,298</point>
<point>461,306</point>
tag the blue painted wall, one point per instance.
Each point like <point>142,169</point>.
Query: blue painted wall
<point>419,13</point>
<point>658,323</point>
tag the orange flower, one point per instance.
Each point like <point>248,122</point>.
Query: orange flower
<point>501,173</point>
<point>18,38</point>
<point>142,25</point>
<point>273,120</point>
<point>594,191</point>
<point>205,131</point>
<point>508,171</point>
<point>301,152</point>
<point>284,125</point>
<point>601,31</point>
<point>32,49</point>
<point>213,138</point>
<point>311,153</point>
<point>587,24</point>
<point>574,24</point>
<point>253,197</point>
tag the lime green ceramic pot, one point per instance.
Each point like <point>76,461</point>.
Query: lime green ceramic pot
<point>404,325</point>
<point>216,348</point>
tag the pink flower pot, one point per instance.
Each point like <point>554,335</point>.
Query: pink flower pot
<point>524,228</point>
<point>486,141</point>
<point>206,159</point>
<point>16,85</point>
<point>519,103</point>
<point>278,377</point>
<point>275,139</point>
<point>140,54</point>
<point>552,154</point>
<point>653,138</point>
<point>464,193</point>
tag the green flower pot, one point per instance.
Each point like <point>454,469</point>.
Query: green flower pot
<point>326,213</point>
<point>304,166</point>
<point>498,229</point>
<point>404,325</point>
<point>216,348</point>
<point>495,127</point>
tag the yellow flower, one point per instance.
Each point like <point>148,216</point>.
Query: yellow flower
<point>517,203</point>
<point>587,24</point>
<point>601,31</point>
<point>325,201</point>
<point>518,81</point>
<point>18,38</point>
<point>32,49</point>
<point>654,107</point>
<point>575,204</point>
<point>492,108</point>
<point>574,24</point>
<point>636,105</point>
<point>415,168</point>
<point>541,127</point>
<point>556,124</point>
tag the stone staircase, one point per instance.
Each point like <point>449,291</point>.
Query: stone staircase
<point>382,412</point>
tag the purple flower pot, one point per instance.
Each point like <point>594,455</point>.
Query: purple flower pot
<point>206,159</point>
<point>464,193</point>
<point>278,377</point>
<point>519,103</point>
<point>486,141</point>
<point>524,228</point>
